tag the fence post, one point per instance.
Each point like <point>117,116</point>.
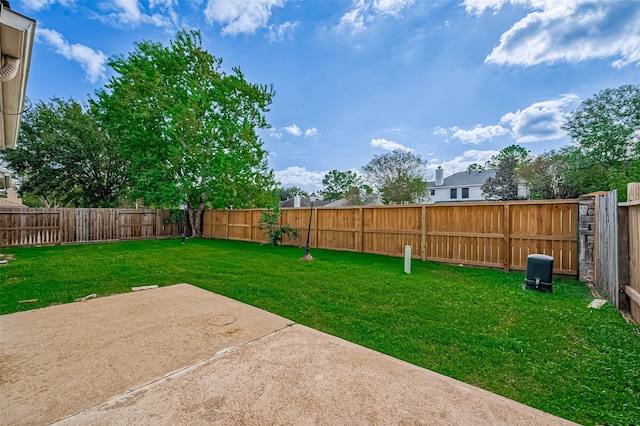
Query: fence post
<point>60,226</point>
<point>423,243</point>
<point>117,219</point>
<point>623,257</point>
<point>358,221</point>
<point>157,221</point>
<point>507,238</point>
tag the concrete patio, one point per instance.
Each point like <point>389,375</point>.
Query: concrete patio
<point>182,355</point>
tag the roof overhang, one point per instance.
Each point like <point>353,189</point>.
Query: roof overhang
<point>16,42</point>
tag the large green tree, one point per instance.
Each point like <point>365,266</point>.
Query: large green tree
<point>286,192</point>
<point>188,128</point>
<point>605,130</point>
<point>399,176</point>
<point>504,185</point>
<point>65,158</point>
<point>545,176</point>
<point>337,184</point>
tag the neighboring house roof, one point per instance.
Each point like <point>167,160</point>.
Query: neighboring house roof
<point>304,202</point>
<point>468,178</point>
<point>16,41</point>
<point>337,203</point>
<point>342,202</point>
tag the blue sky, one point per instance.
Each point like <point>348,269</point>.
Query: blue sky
<point>453,81</point>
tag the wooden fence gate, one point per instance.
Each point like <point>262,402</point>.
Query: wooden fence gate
<point>632,213</point>
<point>617,249</point>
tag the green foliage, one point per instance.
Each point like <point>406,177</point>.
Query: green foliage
<point>270,223</point>
<point>545,176</point>
<point>62,154</point>
<point>287,192</point>
<point>605,130</point>
<point>475,167</point>
<point>337,184</point>
<point>504,185</point>
<point>517,152</point>
<point>188,128</point>
<point>549,351</point>
<point>174,216</point>
<point>399,176</point>
<point>31,200</point>
<point>360,196</point>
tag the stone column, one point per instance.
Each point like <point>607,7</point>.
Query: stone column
<point>586,237</point>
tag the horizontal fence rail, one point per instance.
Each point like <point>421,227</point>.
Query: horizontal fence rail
<point>31,227</point>
<point>492,234</point>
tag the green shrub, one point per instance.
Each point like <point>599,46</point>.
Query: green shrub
<point>270,224</point>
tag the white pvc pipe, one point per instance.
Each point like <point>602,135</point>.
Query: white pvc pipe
<point>407,259</point>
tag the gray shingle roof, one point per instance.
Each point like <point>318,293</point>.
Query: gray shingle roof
<point>465,178</point>
<point>304,202</point>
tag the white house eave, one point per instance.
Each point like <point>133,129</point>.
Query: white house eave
<point>16,40</point>
<point>472,185</point>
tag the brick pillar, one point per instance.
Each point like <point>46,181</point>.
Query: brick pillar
<point>586,237</point>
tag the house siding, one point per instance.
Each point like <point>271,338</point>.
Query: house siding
<point>442,194</point>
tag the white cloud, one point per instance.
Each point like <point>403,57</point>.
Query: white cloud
<point>275,133</point>
<point>462,162</point>
<point>391,7</point>
<point>129,13</point>
<point>294,130</point>
<point>365,11</point>
<point>238,17</point>
<point>388,145</point>
<point>541,120</point>
<point>44,4</point>
<point>311,132</point>
<point>353,20</point>
<point>538,122</point>
<point>93,62</point>
<point>280,32</point>
<point>567,31</point>
<point>301,177</point>
<point>478,134</point>
<point>477,7</point>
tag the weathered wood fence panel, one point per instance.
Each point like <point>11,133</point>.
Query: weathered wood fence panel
<point>493,234</point>
<point>30,227</point>
<point>35,227</point>
<point>606,246</point>
<point>633,215</point>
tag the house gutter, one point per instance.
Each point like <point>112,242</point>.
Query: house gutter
<point>10,68</point>
<point>17,33</point>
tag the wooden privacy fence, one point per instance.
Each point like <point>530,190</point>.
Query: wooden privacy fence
<point>619,273</point>
<point>493,234</point>
<point>30,227</point>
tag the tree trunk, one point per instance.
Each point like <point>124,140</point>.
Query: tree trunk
<point>195,217</point>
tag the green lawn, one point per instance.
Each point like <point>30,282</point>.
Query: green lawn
<point>548,351</point>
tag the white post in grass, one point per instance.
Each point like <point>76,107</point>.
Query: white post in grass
<point>407,259</point>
